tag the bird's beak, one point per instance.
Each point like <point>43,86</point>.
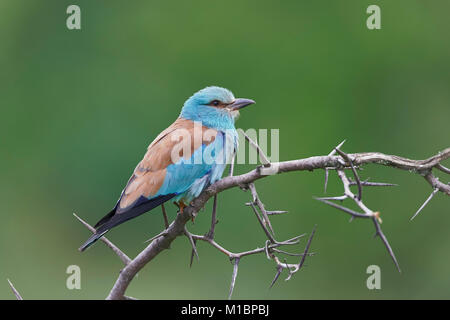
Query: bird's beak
<point>240,103</point>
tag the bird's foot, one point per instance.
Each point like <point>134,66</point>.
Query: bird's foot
<point>181,205</point>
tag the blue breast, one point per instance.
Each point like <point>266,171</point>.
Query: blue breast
<point>189,177</point>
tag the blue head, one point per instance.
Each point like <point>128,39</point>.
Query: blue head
<point>215,107</point>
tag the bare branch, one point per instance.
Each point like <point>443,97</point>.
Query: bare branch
<point>322,162</point>
<point>329,162</point>
<point>293,268</point>
<point>358,200</point>
<point>176,228</point>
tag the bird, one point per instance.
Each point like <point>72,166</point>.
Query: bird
<point>182,160</point>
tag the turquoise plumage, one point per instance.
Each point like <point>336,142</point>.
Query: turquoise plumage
<point>187,178</point>
<point>183,160</point>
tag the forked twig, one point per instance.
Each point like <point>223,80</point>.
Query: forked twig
<point>348,194</point>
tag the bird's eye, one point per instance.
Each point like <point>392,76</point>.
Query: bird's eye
<point>215,103</point>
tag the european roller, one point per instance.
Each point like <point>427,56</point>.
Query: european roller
<point>183,160</point>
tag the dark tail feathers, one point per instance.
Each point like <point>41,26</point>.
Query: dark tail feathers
<point>89,242</point>
<point>113,219</point>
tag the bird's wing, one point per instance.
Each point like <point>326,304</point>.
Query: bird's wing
<point>164,171</point>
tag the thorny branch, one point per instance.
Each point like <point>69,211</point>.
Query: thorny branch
<point>269,248</point>
<point>348,194</point>
<point>339,163</point>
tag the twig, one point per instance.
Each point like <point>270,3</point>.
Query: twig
<point>177,227</point>
<point>293,268</point>
<point>442,168</point>
<point>358,200</point>
<point>266,231</point>
<point>257,201</point>
<point>269,248</point>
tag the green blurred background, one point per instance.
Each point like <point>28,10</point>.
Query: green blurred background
<point>78,109</point>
